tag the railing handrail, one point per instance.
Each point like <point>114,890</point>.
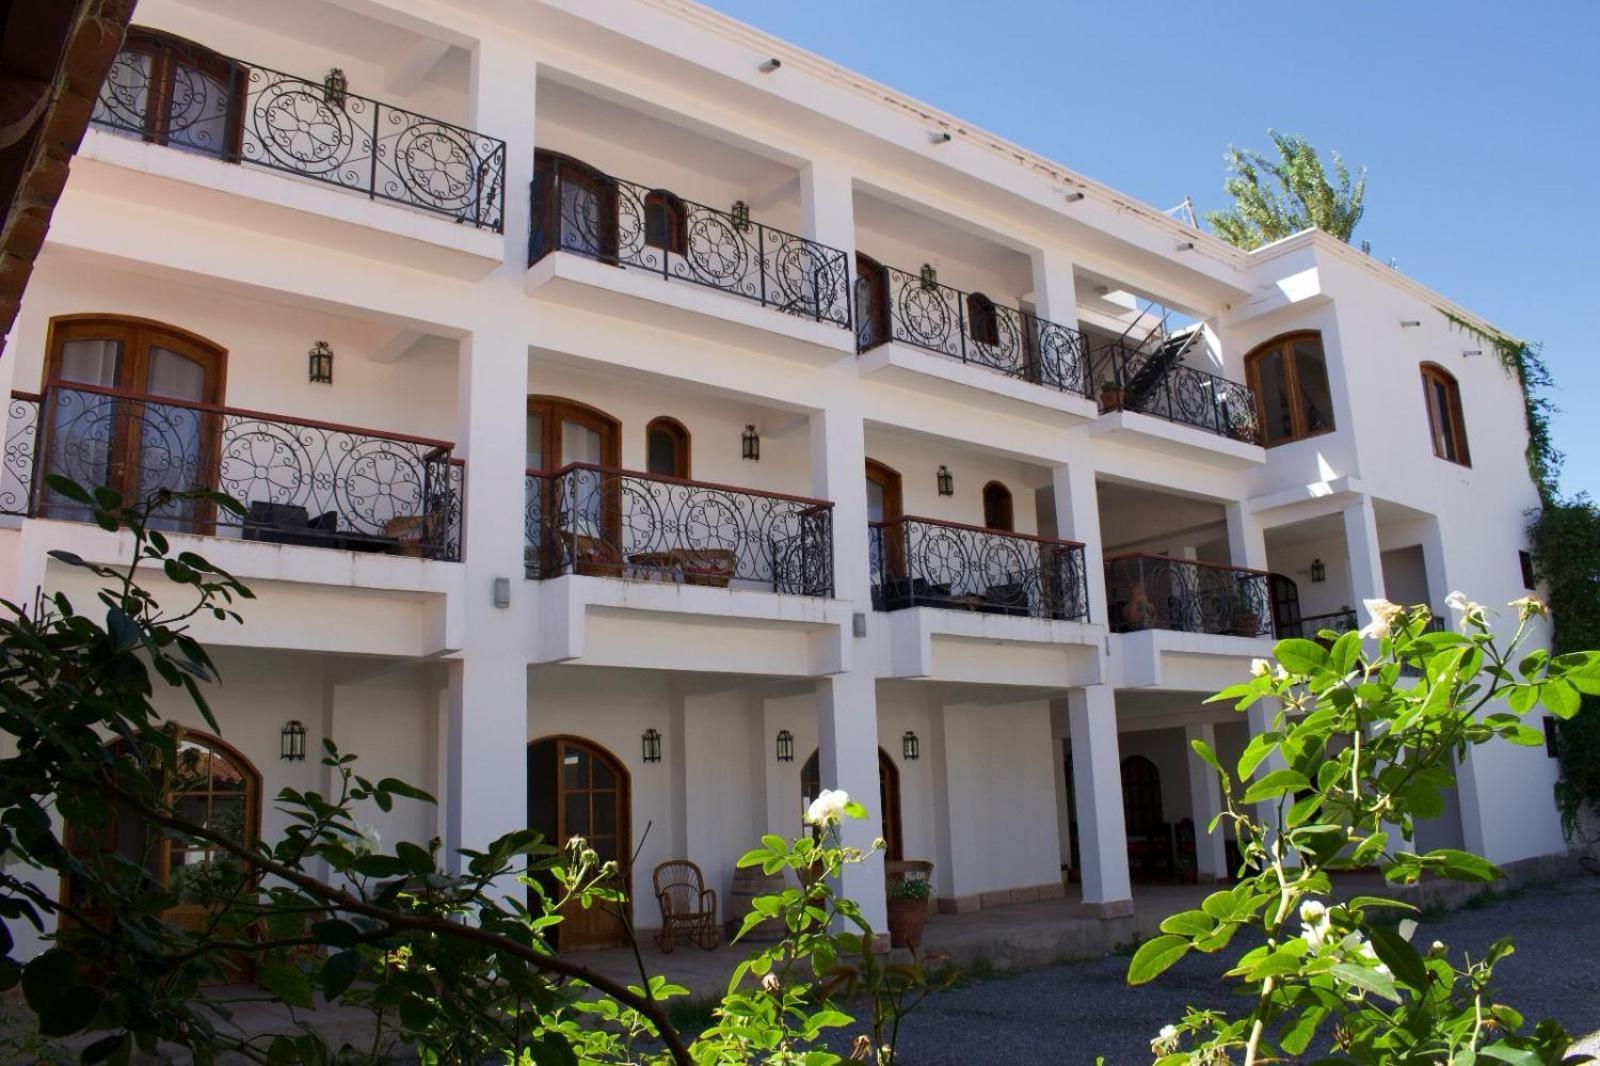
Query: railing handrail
<point>30,397</point>
<point>686,482</point>
<point>1124,351</point>
<point>240,412</point>
<point>1186,562</point>
<point>903,519</point>
<point>963,294</point>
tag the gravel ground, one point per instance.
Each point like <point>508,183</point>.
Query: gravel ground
<point>1073,1012</point>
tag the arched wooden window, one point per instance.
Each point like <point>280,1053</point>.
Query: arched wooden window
<point>576,788</point>
<point>888,798</point>
<point>575,208</point>
<point>983,320</point>
<point>1289,376</point>
<point>667,447</point>
<point>997,508</point>
<point>665,222</point>
<point>175,92</point>
<point>872,302</point>
<point>584,507</point>
<point>1445,423</point>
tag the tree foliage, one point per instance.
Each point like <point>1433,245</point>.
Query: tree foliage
<point>1276,198</point>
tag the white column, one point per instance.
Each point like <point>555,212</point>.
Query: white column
<point>827,206</point>
<point>1055,295</point>
<point>958,806</point>
<point>1205,803</point>
<point>1097,789</point>
<point>501,104</point>
<point>847,758</point>
<point>1361,544</point>
<point>1078,518</point>
<point>1247,541</point>
<point>839,474</point>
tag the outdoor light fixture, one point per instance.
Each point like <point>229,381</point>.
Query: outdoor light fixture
<point>1470,352</point>
<point>785,746</point>
<point>292,742</point>
<point>750,444</point>
<point>321,363</point>
<point>502,592</point>
<point>771,65</point>
<point>930,276</point>
<point>1186,246</point>
<point>741,215</point>
<point>334,87</point>
<point>1073,197</point>
<point>1319,571</point>
<point>947,482</point>
<point>652,745</point>
<point>939,136</point>
<point>1366,247</point>
<point>1408,323</point>
<point>910,746</point>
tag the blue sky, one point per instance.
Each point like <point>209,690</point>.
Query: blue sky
<point>1479,124</point>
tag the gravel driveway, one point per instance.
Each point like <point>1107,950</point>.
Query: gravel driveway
<point>1075,1011</point>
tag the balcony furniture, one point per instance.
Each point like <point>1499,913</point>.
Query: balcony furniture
<point>1162,592</point>
<point>285,523</point>
<point>688,907</point>
<point>925,562</point>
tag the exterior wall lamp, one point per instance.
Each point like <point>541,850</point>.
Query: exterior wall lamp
<point>910,747</point>
<point>930,276</point>
<point>1319,571</point>
<point>947,482</point>
<point>651,744</point>
<point>292,742</point>
<point>750,444</point>
<point>785,746</point>
<point>320,360</point>
<point>334,87</point>
<point>741,215</point>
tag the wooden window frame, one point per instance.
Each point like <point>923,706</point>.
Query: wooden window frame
<point>167,51</point>
<point>894,547</point>
<point>1284,345</point>
<point>983,320</point>
<point>1453,431</point>
<point>1005,504</point>
<point>556,169</point>
<point>680,442</point>
<point>675,220</point>
<point>623,831</point>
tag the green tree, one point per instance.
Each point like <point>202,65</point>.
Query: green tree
<point>1273,199</point>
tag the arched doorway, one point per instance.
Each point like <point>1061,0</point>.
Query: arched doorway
<point>888,797</point>
<point>1149,836</point>
<point>578,789</point>
<point>584,508</point>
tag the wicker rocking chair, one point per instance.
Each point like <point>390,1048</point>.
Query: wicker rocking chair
<point>688,907</point>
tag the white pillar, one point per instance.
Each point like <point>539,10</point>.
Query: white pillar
<point>1205,803</point>
<point>1247,541</point>
<point>1055,295</point>
<point>847,758</point>
<point>1361,544</point>
<point>1078,518</point>
<point>958,805</point>
<point>1097,789</point>
<point>827,206</point>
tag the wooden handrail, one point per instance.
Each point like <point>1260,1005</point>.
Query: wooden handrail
<point>19,394</point>
<point>687,482</point>
<point>1056,541</point>
<point>1186,562</point>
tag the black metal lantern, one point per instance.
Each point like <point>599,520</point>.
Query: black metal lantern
<point>741,215</point>
<point>751,444</point>
<point>292,742</point>
<point>947,482</point>
<point>910,746</point>
<point>930,276</point>
<point>785,746</point>
<point>1319,572</point>
<point>321,363</point>
<point>652,745</point>
<point>334,87</point>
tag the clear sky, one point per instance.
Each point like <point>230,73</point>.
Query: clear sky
<point>1478,122</point>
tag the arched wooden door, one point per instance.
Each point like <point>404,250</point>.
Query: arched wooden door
<point>884,507</point>
<point>1149,835</point>
<point>583,509</point>
<point>578,789</point>
<point>888,797</point>
<point>872,302</point>
<point>575,209</point>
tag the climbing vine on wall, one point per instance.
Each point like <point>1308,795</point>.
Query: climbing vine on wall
<point>1525,362</point>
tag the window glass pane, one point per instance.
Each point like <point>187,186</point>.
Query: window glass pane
<point>603,777</point>
<point>575,768</point>
<point>875,500</point>
<point>605,813</point>
<point>90,362</point>
<point>1316,399</point>
<point>580,216</point>
<point>579,443</point>
<point>1277,415</point>
<point>577,824</point>
<point>662,453</point>
<point>201,106</point>
<point>535,445</point>
<point>126,93</point>
<point>1442,415</point>
<point>175,376</point>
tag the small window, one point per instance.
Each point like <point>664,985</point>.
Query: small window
<point>997,507</point>
<point>983,320</point>
<point>664,222</point>
<point>1529,581</point>
<point>1289,377</point>
<point>667,448</point>
<point>1445,423</point>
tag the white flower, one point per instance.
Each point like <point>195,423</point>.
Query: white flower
<point>1471,613</point>
<point>1314,922</point>
<point>1260,668</point>
<point>368,840</point>
<point>827,808</point>
<point>1166,1041</point>
<point>1370,955</point>
<point>1384,615</point>
<point>1529,607</point>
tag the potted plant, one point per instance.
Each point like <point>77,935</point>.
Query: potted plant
<point>1111,395</point>
<point>1242,618</point>
<point>908,910</point>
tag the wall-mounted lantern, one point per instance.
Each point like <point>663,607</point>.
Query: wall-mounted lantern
<point>741,215</point>
<point>910,747</point>
<point>650,743</point>
<point>334,87</point>
<point>947,482</point>
<point>292,742</point>
<point>930,276</point>
<point>785,746</point>
<point>320,363</point>
<point>1319,571</point>
<point>750,444</point>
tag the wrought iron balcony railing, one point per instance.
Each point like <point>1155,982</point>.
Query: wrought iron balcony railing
<point>1311,625</point>
<point>923,562</point>
<point>300,482</point>
<point>630,225</point>
<point>896,306</point>
<point>22,437</point>
<point>1159,592</point>
<point>1146,382</point>
<point>601,522</point>
<point>177,93</point>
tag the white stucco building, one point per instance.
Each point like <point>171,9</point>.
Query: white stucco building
<point>694,405</point>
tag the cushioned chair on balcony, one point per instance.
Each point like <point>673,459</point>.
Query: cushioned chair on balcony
<point>289,523</point>
<point>688,907</point>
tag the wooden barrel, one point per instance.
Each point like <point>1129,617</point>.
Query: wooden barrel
<point>747,885</point>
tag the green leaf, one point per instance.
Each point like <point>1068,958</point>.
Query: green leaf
<point>400,788</point>
<point>1300,656</point>
<point>1344,653</point>
<point>338,972</point>
<point>1207,756</point>
<point>1189,923</point>
<point>1561,700</point>
<point>1367,980</point>
<point>1155,957</point>
<point>1258,749</point>
<point>1401,958</point>
<point>1463,865</point>
<point>1275,784</point>
<point>1504,1052</point>
<point>286,982</point>
<point>49,977</point>
<point>336,932</point>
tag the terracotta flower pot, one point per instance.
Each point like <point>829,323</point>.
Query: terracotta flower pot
<point>906,917</point>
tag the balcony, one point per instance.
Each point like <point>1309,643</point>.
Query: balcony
<point>1155,383</point>
<point>601,522</point>
<point>1159,592</point>
<point>894,306</point>
<point>174,92</point>
<point>577,209</point>
<point>300,482</point>
<point>923,562</point>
